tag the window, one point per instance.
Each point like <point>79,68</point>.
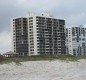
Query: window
<point>30,23</point>
<point>83,39</point>
<point>32,52</point>
<point>73,31</point>
<point>31,18</point>
<point>69,35</point>
<point>31,27</point>
<point>73,39</point>
<point>79,38</point>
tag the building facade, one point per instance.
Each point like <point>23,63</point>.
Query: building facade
<point>38,34</point>
<point>20,35</point>
<point>76,40</point>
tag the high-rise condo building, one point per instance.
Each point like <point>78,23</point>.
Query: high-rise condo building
<point>38,34</point>
<point>20,35</point>
<point>76,40</point>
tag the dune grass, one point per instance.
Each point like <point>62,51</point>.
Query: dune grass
<point>17,60</point>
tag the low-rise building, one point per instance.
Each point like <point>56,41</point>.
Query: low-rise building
<point>10,54</point>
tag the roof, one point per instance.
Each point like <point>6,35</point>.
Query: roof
<point>10,52</point>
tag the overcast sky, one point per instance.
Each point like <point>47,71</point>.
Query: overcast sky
<point>73,11</point>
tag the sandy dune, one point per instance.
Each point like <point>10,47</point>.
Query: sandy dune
<point>44,70</point>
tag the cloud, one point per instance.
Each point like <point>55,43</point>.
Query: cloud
<point>5,41</point>
<point>73,11</point>
<point>77,19</point>
<point>60,8</point>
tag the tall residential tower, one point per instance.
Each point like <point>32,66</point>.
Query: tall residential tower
<point>20,35</point>
<point>76,40</point>
<point>38,34</point>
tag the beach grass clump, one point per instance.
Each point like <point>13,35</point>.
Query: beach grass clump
<point>20,59</point>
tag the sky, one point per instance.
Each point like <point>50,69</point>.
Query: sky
<point>72,11</point>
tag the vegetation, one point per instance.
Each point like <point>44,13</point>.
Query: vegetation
<point>19,59</point>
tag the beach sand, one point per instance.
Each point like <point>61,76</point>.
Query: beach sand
<point>44,70</point>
